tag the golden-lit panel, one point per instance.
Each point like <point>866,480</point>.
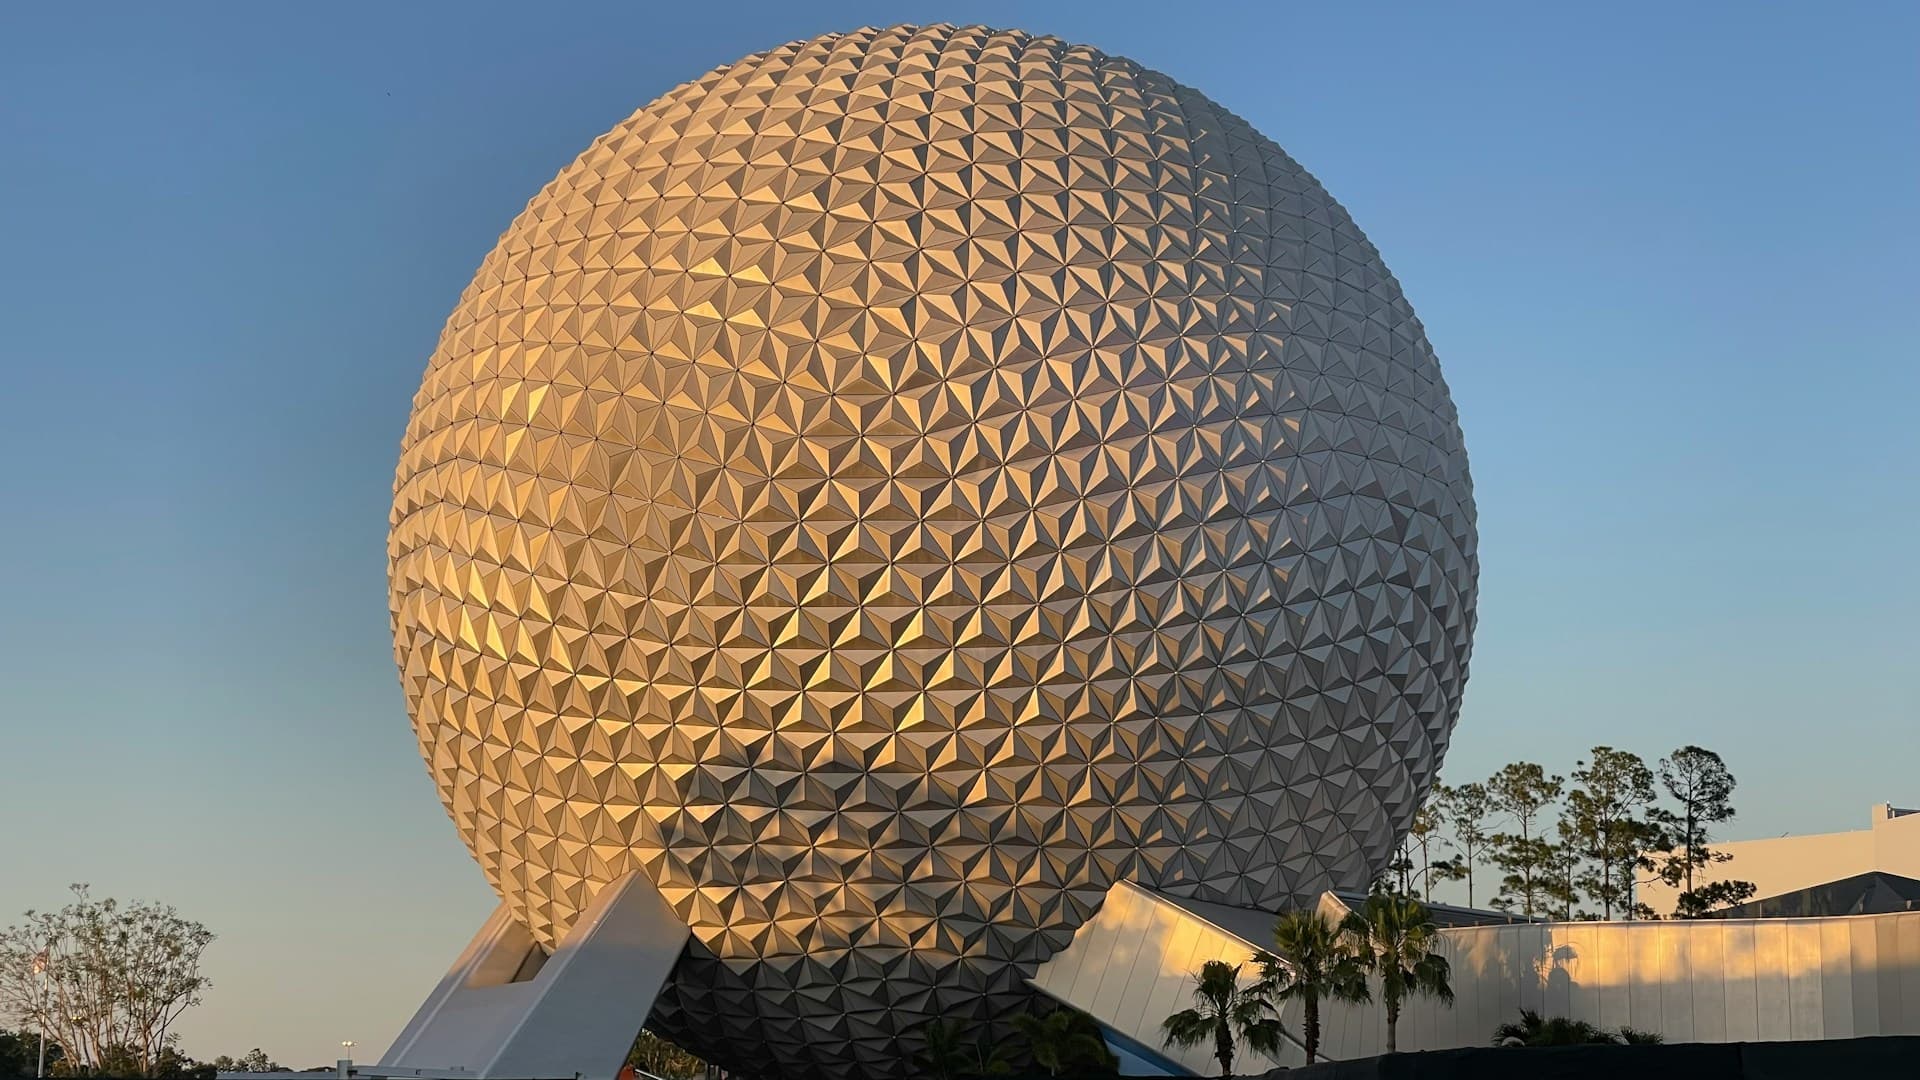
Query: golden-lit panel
<point>895,486</point>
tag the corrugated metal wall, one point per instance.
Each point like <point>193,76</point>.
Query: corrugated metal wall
<point>1695,981</point>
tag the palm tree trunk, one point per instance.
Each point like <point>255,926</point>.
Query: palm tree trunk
<point>1223,1048</point>
<point>1393,1024</point>
<point>1310,1026</point>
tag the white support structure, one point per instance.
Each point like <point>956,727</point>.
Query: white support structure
<point>507,1011</point>
<point>1132,965</point>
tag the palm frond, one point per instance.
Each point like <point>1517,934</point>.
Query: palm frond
<point>1186,1028</point>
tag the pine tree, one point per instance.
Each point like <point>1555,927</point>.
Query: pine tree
<point>1422,838</point>
<point>1468,812</point>
<point>1605,814</point>
<point>1562,883</point>
<point>1522,791</point>
<point>1699,781</point>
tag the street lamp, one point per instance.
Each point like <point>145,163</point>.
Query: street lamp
<point>40,1007</point>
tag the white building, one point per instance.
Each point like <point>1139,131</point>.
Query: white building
<point>1784,864</point>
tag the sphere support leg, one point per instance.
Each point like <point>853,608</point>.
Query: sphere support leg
<point>507,1009</point>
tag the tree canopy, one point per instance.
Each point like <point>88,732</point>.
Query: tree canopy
<point>1224,1012</point>
<point>1312,962</point>
<point>1395,940</point>
<point>107,981</point>
<point>1620,825</point>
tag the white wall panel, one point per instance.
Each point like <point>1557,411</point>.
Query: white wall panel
<point>1642,975</point>
<point>1676,1020</point>
<point>1573,943</point>
<point>1106,993</point>
<point>1514,956</point>
<point>1804,1007</point>
<point>1707,969</point>
<point>1743,991</point>
<point>1469,993</point>
<point>1149,931</point>
<point>1893,1003</point>
<point>1863,955</point>
<point>1836,978</point>
<point>1905,956</point>
<point>1708,980</point>
<point>1773,999</point>
<point>1556,981</point>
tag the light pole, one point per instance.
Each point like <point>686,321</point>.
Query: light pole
<point>40,1007</point>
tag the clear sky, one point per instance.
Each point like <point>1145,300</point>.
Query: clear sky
<point>1665,253</point>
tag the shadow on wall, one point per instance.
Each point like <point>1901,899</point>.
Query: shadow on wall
<point>1891,1056</point>
<point>1692,981</point>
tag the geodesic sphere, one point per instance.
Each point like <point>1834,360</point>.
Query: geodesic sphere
<point>896,486</point>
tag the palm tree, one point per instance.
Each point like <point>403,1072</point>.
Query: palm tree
<point>1535,1030</point>
<point>1064,1039</point>
<point>1310,963</point>
<point>945,1055</point>
<point>1394,938</point>
<point>1223,1011</point>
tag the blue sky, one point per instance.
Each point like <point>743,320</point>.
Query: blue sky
<point>1663,251</point>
